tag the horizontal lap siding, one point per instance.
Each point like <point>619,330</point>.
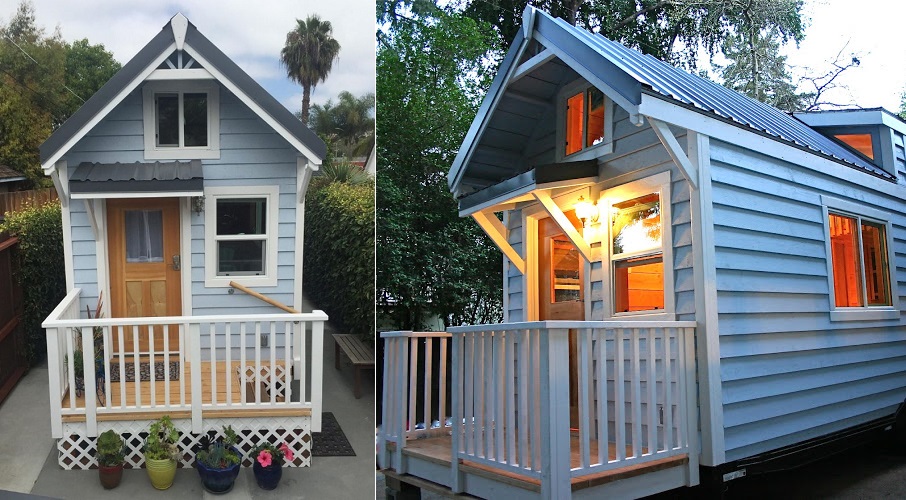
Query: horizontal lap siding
<point>788,372</point>
<point>251,154</point>
<point>514,281</point>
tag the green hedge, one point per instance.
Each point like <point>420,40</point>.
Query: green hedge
<point>339,254</point>
<point>42,272</point>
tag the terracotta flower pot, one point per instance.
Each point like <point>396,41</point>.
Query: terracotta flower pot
<point>110,476</point>
<point>267,477</point>
<point>161,472</point>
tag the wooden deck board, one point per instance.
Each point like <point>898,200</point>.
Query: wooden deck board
<point>160,399</point>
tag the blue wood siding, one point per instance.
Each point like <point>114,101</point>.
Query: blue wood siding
<point>788,372</point>
<point>513,286</point>
<point>251,154</point>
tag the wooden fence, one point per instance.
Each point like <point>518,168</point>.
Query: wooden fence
<point>13,363</point>
<point>16,200</point>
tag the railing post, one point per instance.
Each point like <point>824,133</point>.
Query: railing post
<point>402,379</point>
<point>383,460</point>
<point>554,375</point>
<point>317,368</point>
<point>53,372</point>
<point>194,338</point>
<point>88,373</point>
<point>685,339</point>
<point>456,403</point>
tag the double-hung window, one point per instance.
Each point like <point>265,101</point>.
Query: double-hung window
<point>640,244</point>
<point>241,235</point>
<point>859,262</point>
<point>585,127</point>
<point>181,120</point>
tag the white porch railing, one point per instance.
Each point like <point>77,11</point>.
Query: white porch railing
<point>634,400</point>
<point>211,355</point>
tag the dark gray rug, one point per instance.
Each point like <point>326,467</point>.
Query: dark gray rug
<point>144,369</point>
<point>330,442</point>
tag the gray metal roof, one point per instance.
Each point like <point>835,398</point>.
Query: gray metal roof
<point>214,56</point>
<point>137,177</point>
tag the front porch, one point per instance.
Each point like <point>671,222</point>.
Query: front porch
<point>549,409</point>
<point>262,374</point>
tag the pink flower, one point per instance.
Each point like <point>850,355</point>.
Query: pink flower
<point>264,458</point>
<point>287,452</point>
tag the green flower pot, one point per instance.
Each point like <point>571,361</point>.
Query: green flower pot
<point>161,472</point>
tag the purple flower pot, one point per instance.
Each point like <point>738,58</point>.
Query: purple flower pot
<point>267,477</point>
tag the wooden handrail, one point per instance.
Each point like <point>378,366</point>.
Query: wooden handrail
<point>263,297</point>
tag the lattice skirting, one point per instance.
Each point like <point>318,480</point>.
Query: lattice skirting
<point>76,451</point>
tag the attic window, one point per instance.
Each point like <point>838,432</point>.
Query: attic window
<point>585,123</point>
<point>181,120</point>
<point>860,142</point>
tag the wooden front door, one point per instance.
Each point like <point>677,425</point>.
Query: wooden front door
<point>561,282</point>
<point>144,257</point>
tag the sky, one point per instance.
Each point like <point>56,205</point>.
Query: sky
<point>251,33</point>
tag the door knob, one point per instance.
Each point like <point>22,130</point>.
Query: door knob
<point>176,265</point>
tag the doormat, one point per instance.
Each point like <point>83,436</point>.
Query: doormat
<point>144,371</point>
<point>330,442</point>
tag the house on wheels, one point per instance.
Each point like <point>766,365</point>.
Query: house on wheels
<point>697,286</point>
<point>182,184</point>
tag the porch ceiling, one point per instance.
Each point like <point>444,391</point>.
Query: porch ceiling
<point>106,180</point>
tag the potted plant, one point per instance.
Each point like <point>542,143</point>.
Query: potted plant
<point>110,455</point>
<point>218,462</point>
<point>161,452</point>
<point>267,463</point>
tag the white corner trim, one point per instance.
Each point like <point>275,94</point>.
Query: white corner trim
<point>76,137</point>
<point>65,210</point>
<point>301,185</point>
<point>304,171</point>
<point>180,25</point>
<point>212,194</point>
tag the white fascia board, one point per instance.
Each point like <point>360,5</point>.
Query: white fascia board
<point>732,134</point>
<point>137,194</point>
<point>47,166</point>
<point>274,124</point>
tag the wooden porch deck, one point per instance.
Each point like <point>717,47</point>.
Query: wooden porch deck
<point>439,450</point>
<point>208,380</point>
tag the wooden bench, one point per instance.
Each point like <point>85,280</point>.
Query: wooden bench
<point>360,355</point>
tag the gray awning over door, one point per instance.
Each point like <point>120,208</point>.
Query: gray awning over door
<point>158,179</point>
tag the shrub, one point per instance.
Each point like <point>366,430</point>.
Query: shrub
<point>339,254</point>
<point>42,272</point>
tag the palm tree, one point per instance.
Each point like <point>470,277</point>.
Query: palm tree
<point>308,55</point>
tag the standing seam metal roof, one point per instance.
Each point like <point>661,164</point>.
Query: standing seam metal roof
<point>709,96</point>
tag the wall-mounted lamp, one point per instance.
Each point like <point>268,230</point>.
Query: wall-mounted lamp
<point>586,212</point>
<point>198,204</point>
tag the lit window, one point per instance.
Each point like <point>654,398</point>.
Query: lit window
<point>859,261</point>
<point>181,123</point>
<point>637,254</point>
<point>860,142</point>
<point>241,235</point>
<point>585,120</point>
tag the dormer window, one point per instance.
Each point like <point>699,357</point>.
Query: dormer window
<point>860,142</point>
<point>181,120</point>
<point>586,122</point>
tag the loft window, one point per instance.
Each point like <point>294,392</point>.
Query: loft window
<point>181,120</point>
<point>859,256</point>
<point>585,123</point>
<point>860,142</point>
<point>241,235</point>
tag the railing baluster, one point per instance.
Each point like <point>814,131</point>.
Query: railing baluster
<point>105,358</point>
<point>70,366</point>
<point>636,395</point>
<point>212,360</point>
<point>510,394</point>
<point>257,386</point>
<point>272,344</point>
<point>228,372</point>
<point>426,403</point>
<point>619,396</point>
<point>499,382</point>
<point>301,344</point>
<point>456,401</point>
<point>243,371</point>
<point>603,440</point>
<point>652,395</point>
<point>122,355</point>
<point>668,393</point>
<point>442,385</point>
<point>488,399</point>
<point>480,432</point>
<point>182,364</point>
<point>136,378</point>
<point>535,393</point>
<point>468,391</point>
<point>583,348</point>
<point>152,372</point>
<point>413,376</point>
<point>525,418</point>
<point>288,362</point>
<point>167,366</point>
<point>91,401</point>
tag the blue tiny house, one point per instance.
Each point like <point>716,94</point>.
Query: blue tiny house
<point>696,283</point>
<point>182,183</point>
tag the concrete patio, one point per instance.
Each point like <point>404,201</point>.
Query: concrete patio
<point>28,457</point>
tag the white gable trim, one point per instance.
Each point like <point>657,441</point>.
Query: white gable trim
<point>48,164</point>
<point>274,124</point>
<point>180,25</point>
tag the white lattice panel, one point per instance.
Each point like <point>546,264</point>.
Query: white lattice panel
<point>265,378</point>
<point>77,451</point>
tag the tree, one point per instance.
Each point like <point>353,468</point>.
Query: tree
<point>348,123</point>
<point>308,56</point>
<point>432,262</point>
<point>88,67</point>
<point>761,74</point>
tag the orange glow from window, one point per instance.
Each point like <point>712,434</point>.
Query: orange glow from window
<point>874,251</point>
<point>639,284</point>
<point>575,111</point>
<point>845,258</point>
<point>859,142</point>
<point>595,132</point>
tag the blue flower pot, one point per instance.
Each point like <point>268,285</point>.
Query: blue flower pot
<point>218,481</point>
<point>267,477</point>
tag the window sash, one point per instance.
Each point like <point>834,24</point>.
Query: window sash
<point>858,284</point>
<point>181,119</point>
<point>260,206</point>
<point>644,249</point>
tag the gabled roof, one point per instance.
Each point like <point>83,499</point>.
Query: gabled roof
<point>7,174</point>
<point>177,34</point>
<point>626,74</point>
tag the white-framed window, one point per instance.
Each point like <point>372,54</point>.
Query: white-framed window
<point>860,271</point>
<point>584,122</point>
<point>241,235</point>
<point>639,249</point>
<point>181,120</point>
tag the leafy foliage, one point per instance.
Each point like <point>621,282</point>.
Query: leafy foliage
<point>220,454</point>
<point>42,272</point>
<point>432,262</point>
<point>760,72</point>
<point>339,254</point>
<point>111,449</point>
<point>348,124</point>
<point>161,443</point>
<point>308,56</point>
<point>341,172</point>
